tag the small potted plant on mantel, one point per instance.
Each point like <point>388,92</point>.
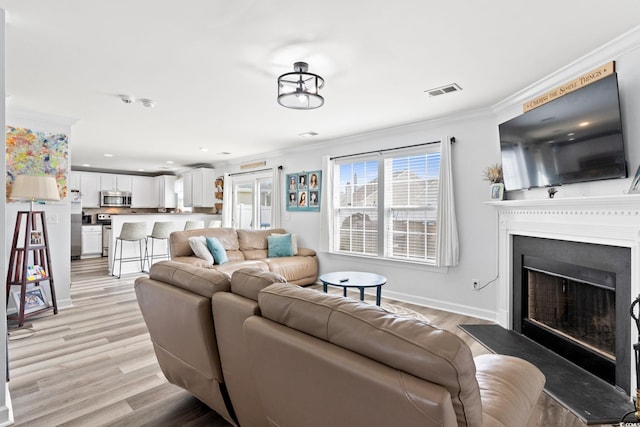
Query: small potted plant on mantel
<point>493,174</point>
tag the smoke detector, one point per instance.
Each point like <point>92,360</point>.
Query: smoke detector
<point>127,99</point>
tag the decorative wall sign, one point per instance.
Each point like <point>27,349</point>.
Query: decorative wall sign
<point>592,76</point>
<point>303,191</point>
<point>31,152</point>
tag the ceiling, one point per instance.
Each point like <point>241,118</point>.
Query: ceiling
<point>211,67</point>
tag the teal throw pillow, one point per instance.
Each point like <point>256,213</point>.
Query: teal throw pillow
<point>217,250</point>
<point>280,245</point>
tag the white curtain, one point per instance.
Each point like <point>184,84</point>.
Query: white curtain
<point>227,199</point>
<point>276,195</point>
<point>326,210</point>
<point>447,241</point>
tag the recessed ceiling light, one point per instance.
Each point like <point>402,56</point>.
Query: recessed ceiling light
<point>140,170</point>
<point>170,162</point>
<point>108,155</point>
<point>308,134</point>
<point>86,165</point>
<point>204,149</point>
<point>149,103</point>
<point>583,124</point>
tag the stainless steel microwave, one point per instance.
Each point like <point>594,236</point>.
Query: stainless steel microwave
<point>121,199</point>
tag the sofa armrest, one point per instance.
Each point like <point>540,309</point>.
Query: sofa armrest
<point>306,252</point>
<point>509,389</point>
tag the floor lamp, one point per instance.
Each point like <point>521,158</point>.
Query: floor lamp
<point>34,250</point>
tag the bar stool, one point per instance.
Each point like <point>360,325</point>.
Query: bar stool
<point>131,232</point>
<point>161,231</point>
<point>193,224</point>
<point>215,223</point>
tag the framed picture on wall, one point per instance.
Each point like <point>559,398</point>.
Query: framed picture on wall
<point>303,191</point>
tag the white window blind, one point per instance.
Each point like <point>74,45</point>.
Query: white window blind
<point>410,207</point>
<point>356,207</point>
<point>386,206</point>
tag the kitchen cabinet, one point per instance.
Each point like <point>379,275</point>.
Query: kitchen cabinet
<point>113,182</point>
<point>166,188</point>
<point>74,181</point>
<point>91,241</point>
<point>143,192</point>
<point>90,189</point>
<point>199,188</point>
<point>187,184</point>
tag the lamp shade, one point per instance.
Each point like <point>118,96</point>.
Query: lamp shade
<point>34,187</point>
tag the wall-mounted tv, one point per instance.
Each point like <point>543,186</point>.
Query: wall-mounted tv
<point>574,138</point>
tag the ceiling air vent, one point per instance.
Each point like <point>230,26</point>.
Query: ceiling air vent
<point>453,87</point>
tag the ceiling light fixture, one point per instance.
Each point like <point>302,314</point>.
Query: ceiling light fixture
<point>308,134</point>
<point>149,103</point>
<point>300,89</point>
<point>127,99</point>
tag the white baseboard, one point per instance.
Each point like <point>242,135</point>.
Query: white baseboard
<point>6,411</point>
<point>443,305</point>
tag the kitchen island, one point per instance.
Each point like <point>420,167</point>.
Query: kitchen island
<point>131,249</point>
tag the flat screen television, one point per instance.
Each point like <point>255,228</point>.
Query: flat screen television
<point>574,138</point>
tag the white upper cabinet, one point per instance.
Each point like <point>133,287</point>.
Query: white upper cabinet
<point>166,187</point>
<point>113,182</point>
<point>199,188</point>
<point>89,189</point>
<point>143,192</point>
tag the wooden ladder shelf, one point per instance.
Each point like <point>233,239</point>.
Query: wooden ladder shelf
<point>34,251</point>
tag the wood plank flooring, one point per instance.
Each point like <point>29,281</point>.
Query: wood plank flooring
<point>93,364</point>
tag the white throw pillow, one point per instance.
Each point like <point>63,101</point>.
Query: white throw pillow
<point>199,247</point>
<point>294,242</point>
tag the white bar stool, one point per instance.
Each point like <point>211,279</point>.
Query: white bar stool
<point>193,224</point>
<point>130,232</point>
<point>161,231</point>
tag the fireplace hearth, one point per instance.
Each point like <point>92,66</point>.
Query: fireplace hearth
<point>573,298</point>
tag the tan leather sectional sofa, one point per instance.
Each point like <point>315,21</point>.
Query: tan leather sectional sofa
<point>261,352</point>
<point>247,249</point>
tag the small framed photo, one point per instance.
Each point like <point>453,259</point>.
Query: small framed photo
<point>34,299</point>
<point>35,237</point>
<point>293,199</point>
<point>635,184</point>
<point>496,191</point>
<point>303,181</point>
<point>292,182</point>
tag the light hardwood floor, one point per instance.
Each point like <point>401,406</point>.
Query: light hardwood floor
<point>94,365</point>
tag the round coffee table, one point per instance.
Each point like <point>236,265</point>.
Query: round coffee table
<point>354,279</point>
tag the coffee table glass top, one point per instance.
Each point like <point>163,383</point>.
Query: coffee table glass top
<point>353,278</point>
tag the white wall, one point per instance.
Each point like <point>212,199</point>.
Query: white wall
<point>59,233</point>
<point>477,146</point>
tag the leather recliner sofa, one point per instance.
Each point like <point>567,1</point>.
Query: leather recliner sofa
<point>264,353</point>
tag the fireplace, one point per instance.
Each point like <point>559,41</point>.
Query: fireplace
<point>573,298</point>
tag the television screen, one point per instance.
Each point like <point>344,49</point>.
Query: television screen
<point>574,138</point>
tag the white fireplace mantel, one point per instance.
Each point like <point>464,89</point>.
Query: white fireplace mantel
<point>605,220</point>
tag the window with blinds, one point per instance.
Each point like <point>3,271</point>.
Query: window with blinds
<point>356,209</point>
<point>410,206</point>
<point>386,206</point>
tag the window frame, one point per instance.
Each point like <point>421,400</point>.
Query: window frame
<point>382,209</point>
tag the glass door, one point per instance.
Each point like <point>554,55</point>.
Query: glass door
<point>252,202</point>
